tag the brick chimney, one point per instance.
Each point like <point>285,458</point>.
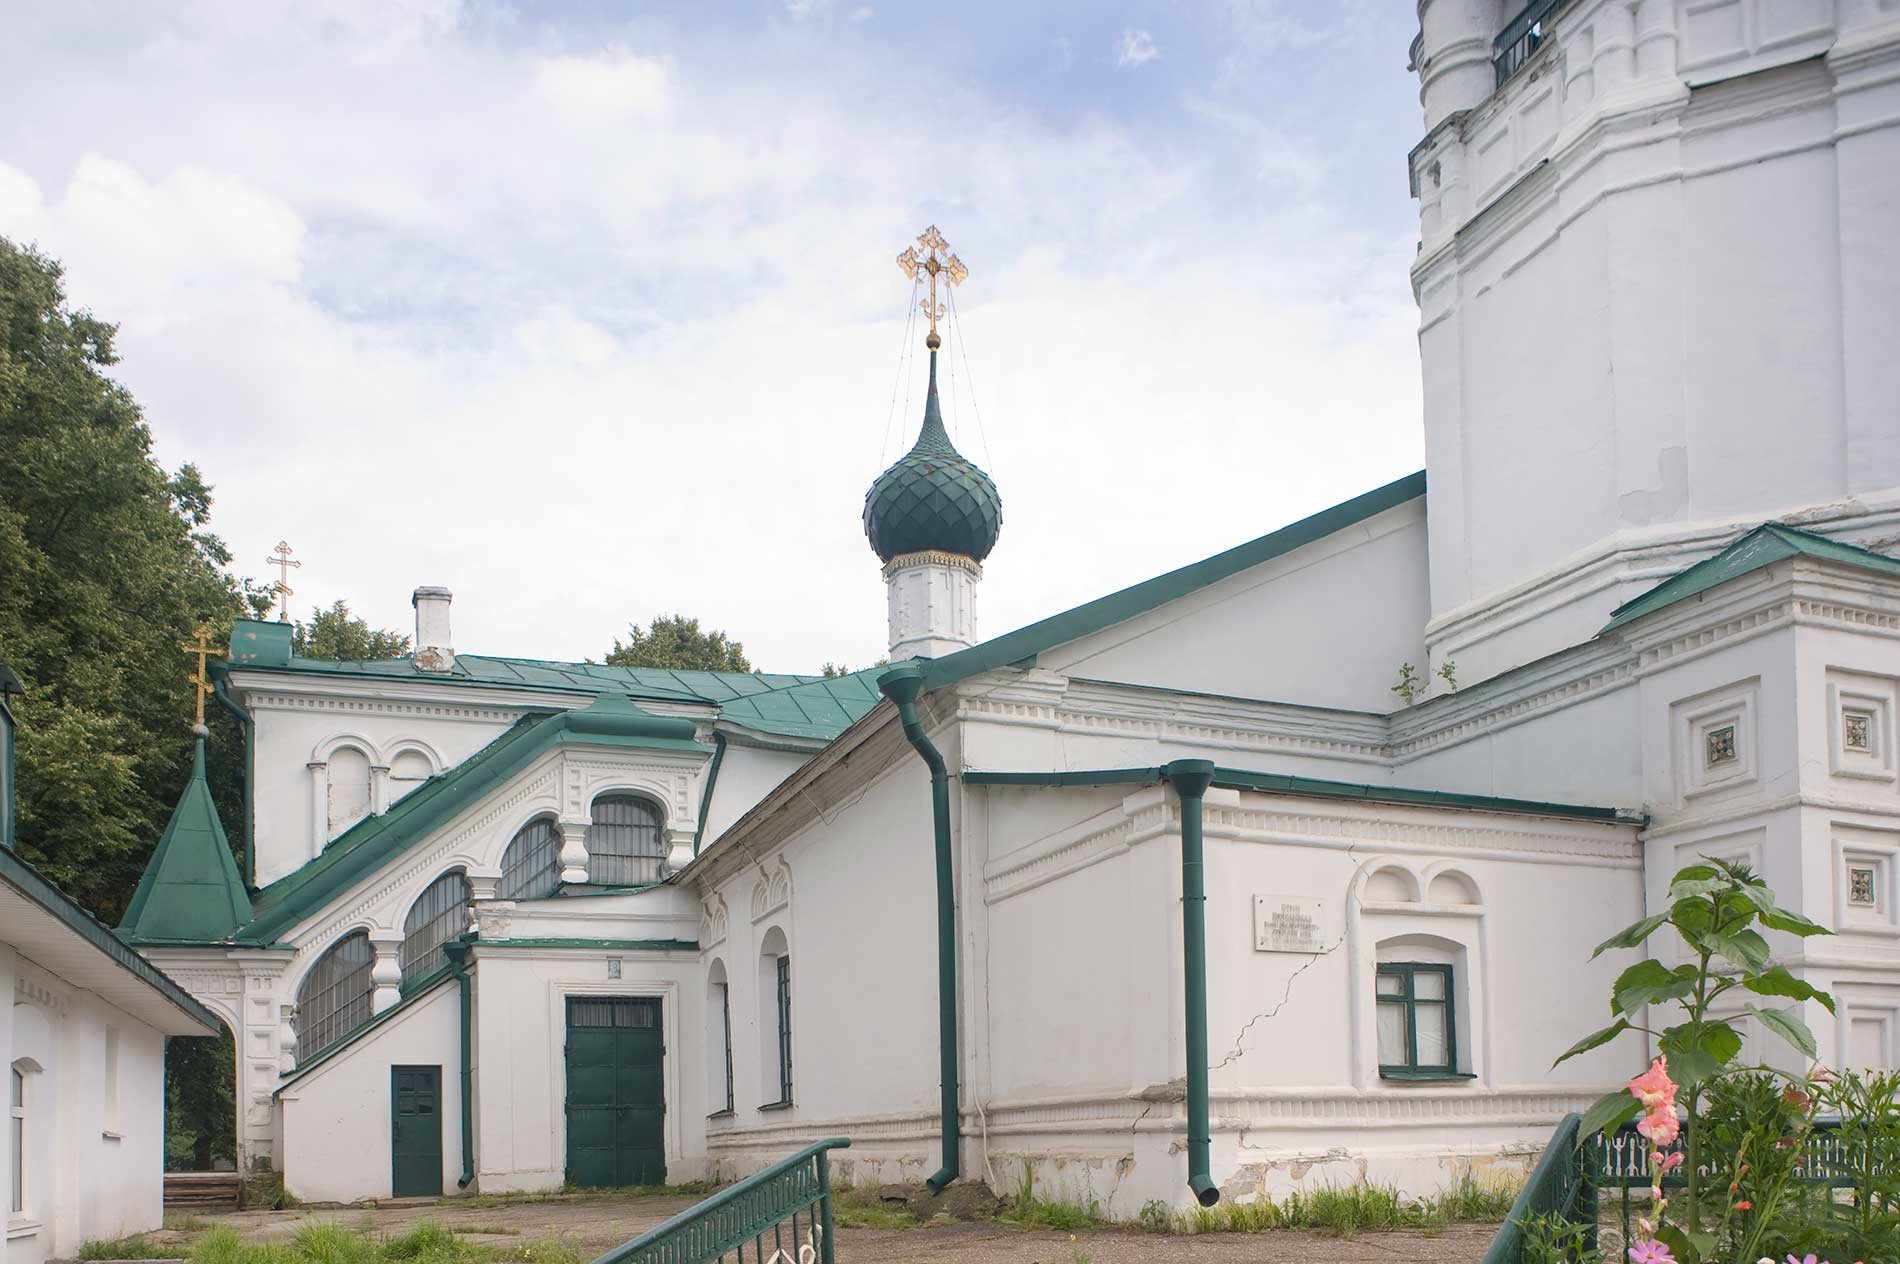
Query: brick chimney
<point>434,650</point>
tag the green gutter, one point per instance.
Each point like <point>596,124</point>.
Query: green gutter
<point>457,951</point>
<point>248,834</point>
<point>902,684</point>
<point>712,779</point>
<point>1190,779</point>
<point>629,945</point>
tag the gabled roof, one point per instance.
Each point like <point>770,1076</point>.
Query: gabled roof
<point>819,709</point>
<point>1022,645</point>
<point>191,891</point>
<point>48,926</point>
<point>1764,546</point>
<point>610,720</point>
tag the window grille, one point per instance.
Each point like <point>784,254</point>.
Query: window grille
<point>624,847</point>
<point>335,997</point>
<point>531,867</point>
<point>438,915</point>
<point>785,1029</point>
<point>1416,1022</point>
<point>613,1011</point>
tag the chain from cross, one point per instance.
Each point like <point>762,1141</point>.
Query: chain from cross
<point>934,259</point>
<point>280,558</point>
<point>201,683</point>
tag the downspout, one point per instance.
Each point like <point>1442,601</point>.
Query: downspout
<point>249,868</point>
<point>902,685</point>
<point>457,950</point>
<point>1190,779</point>
<point>712,779</point>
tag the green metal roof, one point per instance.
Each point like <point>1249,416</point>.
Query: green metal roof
<point>34,886</point>
<point>1312,787</point>
<point>191,891</point>
<point>1022,645</point>
<point>1764,546</point>
<point>819,709</point>
<point>934,498</point>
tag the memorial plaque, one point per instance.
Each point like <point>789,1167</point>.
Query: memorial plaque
<point>1289,923</point>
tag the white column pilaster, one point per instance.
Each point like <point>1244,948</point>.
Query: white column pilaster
<point>573,850</point>
<point>386,974</point>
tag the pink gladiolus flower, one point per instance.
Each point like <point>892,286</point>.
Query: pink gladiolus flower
<point>1650,1251</point>
<point>1661,1128</point>
<point>1809,1260</point>
<point>1653,1088</point>
<point>1670,1162</point>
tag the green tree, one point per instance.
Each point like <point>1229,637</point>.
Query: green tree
<point>831,671</point>
<point>678,643</point>
<point>108,565</point>
<point>341,636</point>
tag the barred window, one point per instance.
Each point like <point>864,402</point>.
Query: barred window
<point>531,867</point>
<point>624,847</point>
<point>334,999</point>
<point>438,915</point>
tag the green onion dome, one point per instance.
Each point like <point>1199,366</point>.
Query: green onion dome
<point>933,499</point>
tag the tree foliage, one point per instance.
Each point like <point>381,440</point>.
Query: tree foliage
<point>108,567</point>
<point>338,635</point>
<point>677,642</point>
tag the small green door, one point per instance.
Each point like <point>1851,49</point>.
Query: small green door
<point>616,1106</point>
<point>415,1131</point>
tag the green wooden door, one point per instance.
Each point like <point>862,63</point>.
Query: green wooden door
<point>616,1107</point>
<point>415,1131</point>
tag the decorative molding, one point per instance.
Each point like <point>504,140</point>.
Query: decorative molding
<point>773,891</point>
<point>380,706</point>
<point>715,920</point>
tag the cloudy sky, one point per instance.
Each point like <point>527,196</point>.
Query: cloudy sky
<point>588,310</point>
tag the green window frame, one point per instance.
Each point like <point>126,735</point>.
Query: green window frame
<point>1398,992</point>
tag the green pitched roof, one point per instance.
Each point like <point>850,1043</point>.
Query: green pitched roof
<point>1764,546</point>
<point>191,891</point>
<point>1022,645</point>
<point>934,498</point>
<point>819,709</point>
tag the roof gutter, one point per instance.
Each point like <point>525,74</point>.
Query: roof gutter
<point>457,952</point>
<point>902,684</point>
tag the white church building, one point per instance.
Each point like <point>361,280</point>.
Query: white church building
<point>1173,895</point>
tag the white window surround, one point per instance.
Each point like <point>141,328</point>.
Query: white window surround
<point>21,1136</point>
<point>1425,930</point>
<point>774,944</point>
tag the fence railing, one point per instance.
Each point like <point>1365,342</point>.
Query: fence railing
<point>779,1216</point>
<point>1569,1178</point>
<point>1522,36</point>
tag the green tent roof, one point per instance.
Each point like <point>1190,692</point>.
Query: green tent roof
<point>191,891</point>
<point>1764,546</point>
<point>819,709</point>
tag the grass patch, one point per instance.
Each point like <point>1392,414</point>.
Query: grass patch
<point>1027,1211</point>
<point>1342,1210</point>
<point>329,1242</point>
<point>135,1247</point>
<point>481,1230</point>
<point>185,1222</point>
<point>860,1207</point>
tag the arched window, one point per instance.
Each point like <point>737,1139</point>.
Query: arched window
<point>334,999</point>
<point>17,1128</point>
<point>531,867</point>
<point>438,915</point>
<point>775,1018</point>
<point>623,843</point>
<point>348,789</point>
<point>407,770</point>
<point>719,1041</point>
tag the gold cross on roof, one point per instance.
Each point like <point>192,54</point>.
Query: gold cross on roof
<point>201,683</point>
<point>280,558</point>
<point>934,258</point>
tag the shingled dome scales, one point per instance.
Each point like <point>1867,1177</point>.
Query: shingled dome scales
<point>934,499</point>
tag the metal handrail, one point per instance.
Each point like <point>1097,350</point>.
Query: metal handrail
<point>1522,36</point>
<point>756,1210</point>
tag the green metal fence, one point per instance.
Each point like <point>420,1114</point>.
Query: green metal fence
<point>779,1216</point>
<point>1571,1179</point>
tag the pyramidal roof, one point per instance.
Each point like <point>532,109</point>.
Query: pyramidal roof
<point>1767,544</point>
<point>191,891</point>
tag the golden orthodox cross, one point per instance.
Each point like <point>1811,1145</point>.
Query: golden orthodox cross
<point>280,558</point>
<point>934,259</point>
<point>201,683</point>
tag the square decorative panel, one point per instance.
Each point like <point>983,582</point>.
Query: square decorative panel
<point>1719,746</point>
<point>1857,730</point>
<point>1860,709</point>
<point>1715,739</point>
<point>1860,886</point>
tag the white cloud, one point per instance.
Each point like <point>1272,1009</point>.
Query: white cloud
<point>1137,48</point>
<point>606,86</point>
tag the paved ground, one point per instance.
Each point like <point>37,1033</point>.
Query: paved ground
<point>595,1223</point>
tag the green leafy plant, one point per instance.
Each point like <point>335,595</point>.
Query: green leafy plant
<point>1719,910</point>
<point>1552,1238</point>
<point>1409,686</point>
<point>1448,672</point>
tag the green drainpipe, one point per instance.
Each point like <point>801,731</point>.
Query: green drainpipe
<point>712,779</point>
<point>1190,779</point>
<point>902,684</point>
<point>249,869</point>
<point>457,950</point>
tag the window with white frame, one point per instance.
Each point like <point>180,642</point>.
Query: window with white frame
<point>719,1040</point>
<point>334,998</point>
<point>775,1018</point>
<point>1418,1026</point>
<point>624,847</point>
<point>531,867</point>
<point>16,1205</point>
<point>439,914</point>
